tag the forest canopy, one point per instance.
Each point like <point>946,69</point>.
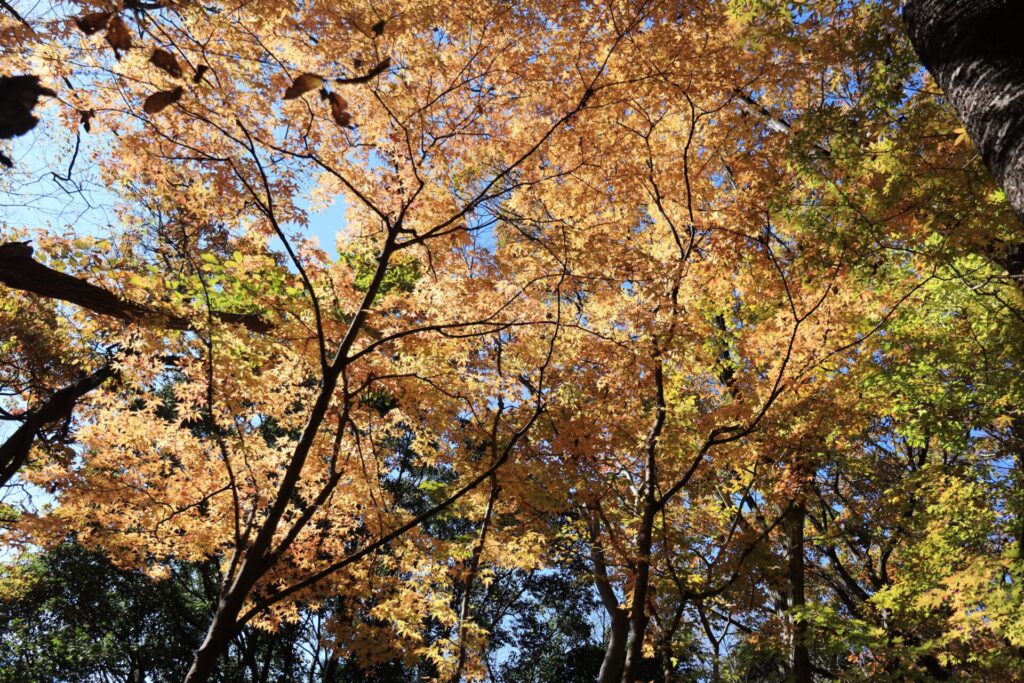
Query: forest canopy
<point>672,340</point>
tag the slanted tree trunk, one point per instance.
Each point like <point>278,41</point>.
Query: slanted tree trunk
<point>222,629</point>
<point>975,51</point>
<point>614,661</point>
<point>60,406</point>
<point>470,577</point>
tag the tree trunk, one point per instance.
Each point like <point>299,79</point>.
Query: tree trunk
<point>973,49</point>
<point>474,567</point>
<point>330,673</point>
<point>15,450</point>
<point>222,629</point>
<point>615,652</point>
<point>642,577</point>
<point>668,673</point>
<point>638,615</point>
<point>614,662</point>
<point>800,658</point>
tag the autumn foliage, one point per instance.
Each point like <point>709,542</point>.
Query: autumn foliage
<point>704,308</point>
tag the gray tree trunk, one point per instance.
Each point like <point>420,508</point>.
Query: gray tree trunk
<point>975,51</point>
<point>615,652</point>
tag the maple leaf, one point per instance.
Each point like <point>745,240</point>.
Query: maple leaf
<point>302,85</point>
<point>338,111</point>
<point>118,35</point>
<point>159,101</point>
<point>166,61</point>
<point>93,22</point>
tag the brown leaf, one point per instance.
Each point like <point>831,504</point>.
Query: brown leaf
<point>338,112</point>
<point>200,72</point>
<point>118,35</point>
<point>383,66</point>
<point>159,101</point>
<point>91,23</point>
<point>162,59</point>
<point>18,96</point>
<point>302,85</point>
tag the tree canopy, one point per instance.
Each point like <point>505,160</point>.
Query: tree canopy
<point>549,341</point>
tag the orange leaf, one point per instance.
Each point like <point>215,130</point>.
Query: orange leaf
<point>302,85</point>
<point>338,113</point>
<point>159,101</point>
<point>118,35</point>
<point>91,23</point>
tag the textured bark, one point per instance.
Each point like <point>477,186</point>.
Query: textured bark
<point>975,51</point>
<point>19,270</point>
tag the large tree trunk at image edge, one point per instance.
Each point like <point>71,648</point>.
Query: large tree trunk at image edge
<point>975,51</point>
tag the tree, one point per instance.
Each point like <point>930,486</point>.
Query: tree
<point>625,298</point>
<point>975,57</point>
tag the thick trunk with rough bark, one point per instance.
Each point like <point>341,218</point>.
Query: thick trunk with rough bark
<point>975,51</point>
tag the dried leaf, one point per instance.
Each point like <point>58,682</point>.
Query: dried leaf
<point>118,35</point>
<point>91,23</point>
<point>162,59</point>
<point>302,85</point>
<point>159,101</point>
<point>338,110</point>
<point>18,96</point>
<point>383,66</point>
<point>200,72</point>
